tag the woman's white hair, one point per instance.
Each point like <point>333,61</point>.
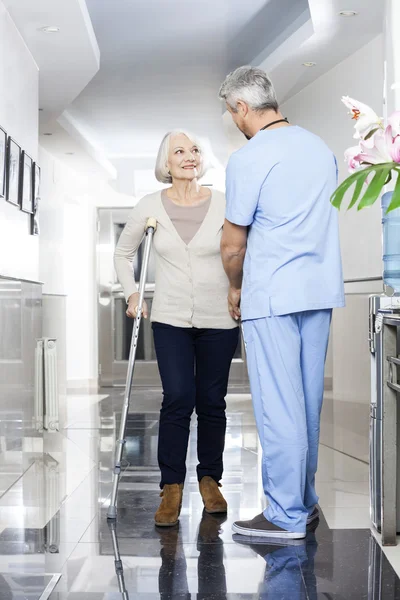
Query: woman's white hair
<point>252,86</point>
<point>161,170</point>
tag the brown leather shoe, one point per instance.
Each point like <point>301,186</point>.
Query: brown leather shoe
<point>169,510</point>
<point>213,500</point>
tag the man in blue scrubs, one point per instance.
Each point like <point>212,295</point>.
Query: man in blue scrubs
<point>281,252</point>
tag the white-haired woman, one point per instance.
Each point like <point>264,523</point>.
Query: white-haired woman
<point>195,336</point>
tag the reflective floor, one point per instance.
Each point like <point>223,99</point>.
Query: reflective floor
<point>53,521</point>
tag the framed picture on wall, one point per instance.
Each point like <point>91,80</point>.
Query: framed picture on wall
<point>26,184</point>
<point>3,154</point>
<point>36,199</point>
<point>36,181</point>
<point>13,166</point>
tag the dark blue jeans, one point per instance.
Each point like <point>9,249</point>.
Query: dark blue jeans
<point>194,368</point>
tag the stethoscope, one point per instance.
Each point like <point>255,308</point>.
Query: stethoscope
<point>274,123</point>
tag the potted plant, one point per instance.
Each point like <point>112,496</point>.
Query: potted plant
<point>375,159</point>
<point>373,163</point>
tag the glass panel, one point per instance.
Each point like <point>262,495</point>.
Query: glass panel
<point>123,326</point>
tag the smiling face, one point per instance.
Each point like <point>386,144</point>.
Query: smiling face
<point>184,158</point>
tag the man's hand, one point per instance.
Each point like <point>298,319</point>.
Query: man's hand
<point>234,303</point>
<point>233,250</point>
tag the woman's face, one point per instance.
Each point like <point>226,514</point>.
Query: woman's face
<point>184,158</point>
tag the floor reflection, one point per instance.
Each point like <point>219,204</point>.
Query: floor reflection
<point>54,521</point>
<point>119,569</point>
<point>325,565</point>
<point>172,577</point>
<point>289,570</point>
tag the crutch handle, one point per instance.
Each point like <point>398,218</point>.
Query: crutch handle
<point>151,222</point>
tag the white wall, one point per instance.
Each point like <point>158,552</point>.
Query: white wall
<point>19,81</point>
<point>68,256</point>
<point>319,109</point>
<point>66,253</point>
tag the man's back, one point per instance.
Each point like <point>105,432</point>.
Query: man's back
<point>280,184</point>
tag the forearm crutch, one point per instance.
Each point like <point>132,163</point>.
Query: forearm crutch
<point>150,228</point>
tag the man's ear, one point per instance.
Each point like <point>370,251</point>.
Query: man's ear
<point>242,108</point>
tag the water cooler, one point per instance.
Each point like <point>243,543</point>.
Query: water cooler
<point>379,305</point>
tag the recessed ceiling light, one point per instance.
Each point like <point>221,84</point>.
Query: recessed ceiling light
<point>40,109</point>
<point>348,13</point>
<point>47,134</point>
<point>70,153</point>
<point>49,29</point>
<point>309,64</point>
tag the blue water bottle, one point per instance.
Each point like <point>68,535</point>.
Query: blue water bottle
<point>391,244</point>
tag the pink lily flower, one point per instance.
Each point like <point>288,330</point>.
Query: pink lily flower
<point>375,150</point>
<point>393,143</point>
<point>394,123</point>
<point>350,157</point>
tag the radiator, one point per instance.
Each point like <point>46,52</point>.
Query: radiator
<point>52,494</point>
<point>46,387</point>
<point>38,416</point>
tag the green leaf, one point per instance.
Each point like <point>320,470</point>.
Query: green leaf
<point>389,178</point>
<point>375,187</point>
<point>381,174</point>
<point>357,191</point>
<point>395,202</point>
<point>338,194</point>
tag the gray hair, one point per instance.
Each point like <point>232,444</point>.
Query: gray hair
<point>161,170</point>
<point>252,86</point>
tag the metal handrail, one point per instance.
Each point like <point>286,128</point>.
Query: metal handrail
<point>363,279</point>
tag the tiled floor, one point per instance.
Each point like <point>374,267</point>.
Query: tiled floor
<point>53,521</point>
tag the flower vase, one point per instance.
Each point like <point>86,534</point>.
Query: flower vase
<point>391,244</point>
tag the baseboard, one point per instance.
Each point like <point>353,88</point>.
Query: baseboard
<point>328,384</point>
<point>82,385</point>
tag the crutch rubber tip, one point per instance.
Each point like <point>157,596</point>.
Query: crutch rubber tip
<point>151,222</point>
<point>112,513</point>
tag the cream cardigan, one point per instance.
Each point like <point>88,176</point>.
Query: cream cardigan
<point>191,285</point>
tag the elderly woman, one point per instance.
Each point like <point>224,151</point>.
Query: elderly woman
<point>195,336</point>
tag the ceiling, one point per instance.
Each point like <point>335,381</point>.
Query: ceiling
<point>67,60</point>
<point>161,65</point>
<point>332,40</point>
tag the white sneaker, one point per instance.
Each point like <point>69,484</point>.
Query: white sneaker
<point>261,527</point>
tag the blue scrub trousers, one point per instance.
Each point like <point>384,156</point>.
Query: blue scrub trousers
<point>286,361</point>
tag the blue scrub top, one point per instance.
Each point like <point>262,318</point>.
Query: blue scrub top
<point>280,185</point>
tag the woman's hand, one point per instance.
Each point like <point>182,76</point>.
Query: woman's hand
<point>133,303</point>
<point>234,303</point>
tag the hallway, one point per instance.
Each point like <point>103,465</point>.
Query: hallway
<point>53,520</point>
<point>89,91</point>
